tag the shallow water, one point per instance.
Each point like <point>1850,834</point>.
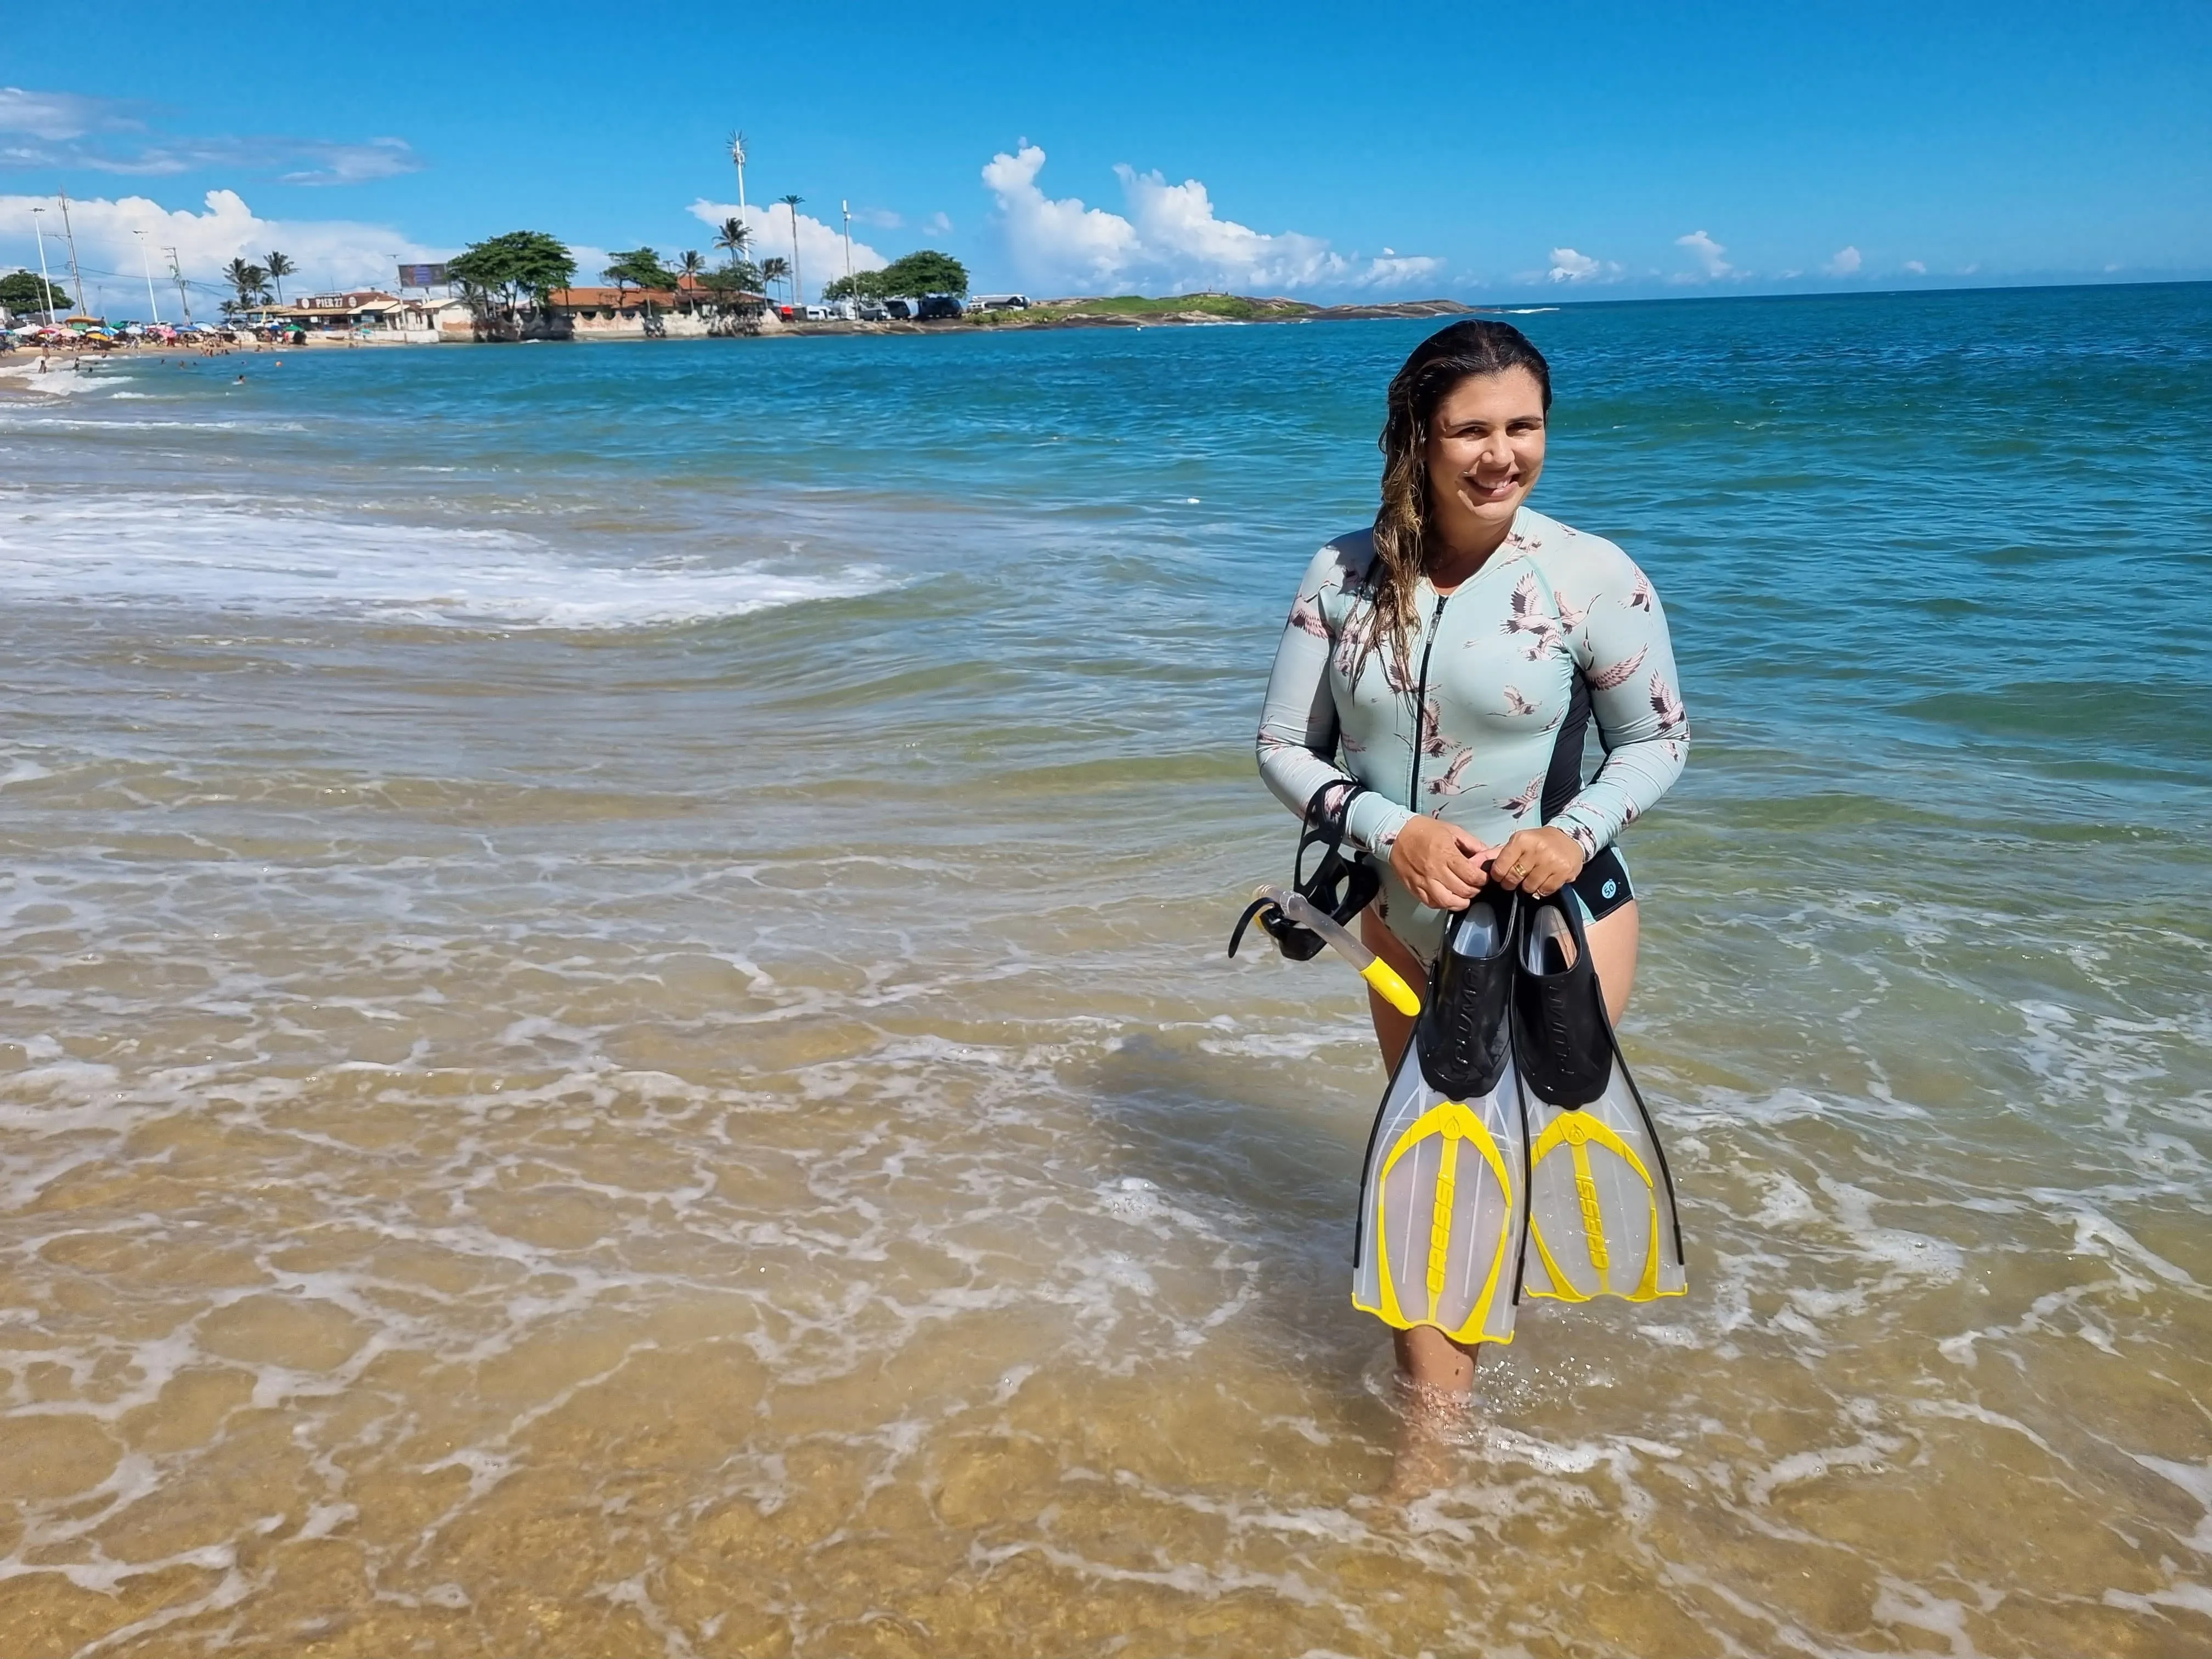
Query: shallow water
<point>615,1040</point>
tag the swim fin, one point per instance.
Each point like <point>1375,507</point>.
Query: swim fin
<point>1602,1217</point>
<point>1441,1210</point>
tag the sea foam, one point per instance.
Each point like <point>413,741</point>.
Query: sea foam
<point>223,557</point>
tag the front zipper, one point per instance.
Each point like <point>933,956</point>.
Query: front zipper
<point>1421,702</point>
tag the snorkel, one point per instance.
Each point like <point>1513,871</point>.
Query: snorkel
<point>1376,972</point>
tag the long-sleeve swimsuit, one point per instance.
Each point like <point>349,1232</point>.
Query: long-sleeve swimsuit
<point>1483,726</point>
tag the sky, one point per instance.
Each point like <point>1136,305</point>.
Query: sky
<point>1575,151</point>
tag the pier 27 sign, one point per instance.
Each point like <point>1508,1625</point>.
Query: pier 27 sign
<point>421,276</point>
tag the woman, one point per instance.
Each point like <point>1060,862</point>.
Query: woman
<point>1453,656</point>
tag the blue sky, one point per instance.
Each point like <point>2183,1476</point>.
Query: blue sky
<point>1579,150</point>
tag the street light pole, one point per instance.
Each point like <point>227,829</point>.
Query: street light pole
<point>848,207</point>
<point>146,265</point>
<point>38,229</point>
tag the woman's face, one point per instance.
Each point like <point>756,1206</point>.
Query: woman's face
<point>1485,447</point>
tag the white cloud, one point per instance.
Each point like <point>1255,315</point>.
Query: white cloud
<point>1916,267</point>
<point>61,115</point>
<point>64,126</point>
<point>821,247</point>
<point>1708,255</point>
<point>1170,238</point>
<point>1845,264</point>
<point>330,254</point>
<point>1570,266</point>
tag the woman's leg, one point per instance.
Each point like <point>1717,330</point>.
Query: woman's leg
<point>1613,955</point>
<point>1431,1361</point>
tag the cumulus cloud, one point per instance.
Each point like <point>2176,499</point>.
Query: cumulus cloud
<point>1709,255</point>
<point>1916,267</point>
<point>1571,266</point>
<point>1845,264</point>
<point>821,247</point>
<point>331,253</point>
<point>1169,237</point>
<point>103,135</point>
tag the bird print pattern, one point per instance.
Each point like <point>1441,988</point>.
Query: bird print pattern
<point>1608,679</point>
<point>1518,805</point>
<point>1448,781</point>
<point>1539,629</point>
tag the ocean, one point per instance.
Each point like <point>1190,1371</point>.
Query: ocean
<point>616,1038</point>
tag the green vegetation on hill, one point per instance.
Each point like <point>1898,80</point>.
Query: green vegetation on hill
<point>1233,307</point>
<point>923,272</point>
<point>1137,308</point>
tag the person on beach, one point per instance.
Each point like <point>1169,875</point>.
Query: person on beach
<point>1444,666</point>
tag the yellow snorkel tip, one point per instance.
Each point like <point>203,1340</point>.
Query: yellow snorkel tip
<point>1394,991</point>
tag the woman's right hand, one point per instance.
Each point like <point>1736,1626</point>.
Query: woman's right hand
<point>1440,864</point>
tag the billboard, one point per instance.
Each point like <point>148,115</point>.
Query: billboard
<point>421,276</point>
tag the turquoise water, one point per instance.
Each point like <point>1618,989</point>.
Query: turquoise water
<point>618,1036</point>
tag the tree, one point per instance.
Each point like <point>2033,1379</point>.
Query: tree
<point>522,264</point>
<point>743,277</point>
<point>641,268</point>
<point>26,291</point>
<point>734,240</point>
<point>250,283</point>
<point>279,268</point>
<point>774,268</point>
<point>691,265</point>
<point>926,271</point>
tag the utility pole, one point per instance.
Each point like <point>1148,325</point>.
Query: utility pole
<point>183,298</point>
<point>75,276</point>
<point>847,209</point>
<point>38,229</point>
<point>798,282</point>
<point>738,155</point>
<point>146,265</point>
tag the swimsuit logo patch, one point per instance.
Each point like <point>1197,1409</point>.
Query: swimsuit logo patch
<point>1608,889</point>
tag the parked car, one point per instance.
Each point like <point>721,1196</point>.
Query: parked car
<point>871,311</point>
<point>902,309</point>
<point>933,307</point>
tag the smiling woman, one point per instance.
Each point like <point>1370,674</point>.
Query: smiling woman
<point>1466,630</point>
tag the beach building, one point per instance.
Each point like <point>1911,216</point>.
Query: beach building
<point>686,311</point>
<point>374,314</point>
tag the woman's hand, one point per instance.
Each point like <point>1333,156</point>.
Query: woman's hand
<point>1539,862</point>
<point>1441,865</point>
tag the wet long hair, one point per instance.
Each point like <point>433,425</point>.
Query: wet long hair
<point>1437,366</point>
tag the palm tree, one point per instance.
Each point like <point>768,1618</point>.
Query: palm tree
<point>734,240</point>
<point>798,284</point>
<point>279,268</point>
<point>252,282</point>
<point>689,266</point>
<point>774,268</point>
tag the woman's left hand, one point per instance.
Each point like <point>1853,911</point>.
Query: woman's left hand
<point>1539,862</point>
